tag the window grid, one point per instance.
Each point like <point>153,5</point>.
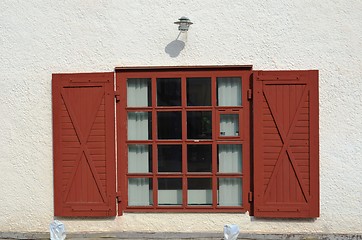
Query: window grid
<point>184,142</point>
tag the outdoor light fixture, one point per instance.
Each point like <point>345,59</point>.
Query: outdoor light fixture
<point>184,24</point>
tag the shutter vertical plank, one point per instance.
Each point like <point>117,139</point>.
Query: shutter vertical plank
<point>84,145</point>
<point>286,145</point>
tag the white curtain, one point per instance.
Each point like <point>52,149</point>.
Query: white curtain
<point>199,196</point>
<point>138,192</point>
<point>230,158</point>
<point>137,92</point>
<point>230,193</point>
<point>229,91</point>
<point>138,126</point>
<point>138,159</point>
<point>229,125</point>
<point>170,197</point>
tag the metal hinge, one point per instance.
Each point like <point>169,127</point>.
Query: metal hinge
<point>118,197</point>
<point>117,96</point>
<point>250,196</point>
<point>250,94</point>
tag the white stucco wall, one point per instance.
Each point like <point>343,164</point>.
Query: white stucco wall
<point>38,38</point>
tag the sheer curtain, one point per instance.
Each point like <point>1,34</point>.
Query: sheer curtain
<point>230,158</point>
<point>170,197</point>
<point>137,96</point>
<point>230,193</point>
<point>169,191</point>
<point>137,125</point>
<point>229,91</point>
<point>199,196</point>
<point>229,125</point>
<point>199,191</point>
<point>138,159</point>
<point>139,193</point>
<point>137,92</point>
<point>138,188</point>
<point>230,161</point>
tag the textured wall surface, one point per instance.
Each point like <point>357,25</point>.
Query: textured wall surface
<point>38,38</point>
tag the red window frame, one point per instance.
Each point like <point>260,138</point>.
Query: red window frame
<point>244,132</point>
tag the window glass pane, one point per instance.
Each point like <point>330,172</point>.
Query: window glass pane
<point>199,191</point>
<point>169,191</point>
<point>139,126</point>
<point>229,125</point>
<point>169,158</point>
<point>199,125</point>
<point>138,92</point>
<point>198,92</point>
<point>230,192</point>
<point>229,158</point>
<point>139,158</point>
<point>169,125</point>
<point>229,91</point>
<point>168,91</point>
<point>199,158</point>
<point>140,192</point>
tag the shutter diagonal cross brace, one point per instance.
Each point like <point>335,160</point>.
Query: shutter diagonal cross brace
<point>285,138</point>
<point>83,149</point>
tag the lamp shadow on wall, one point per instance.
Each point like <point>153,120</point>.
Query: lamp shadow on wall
<point>175,47</point>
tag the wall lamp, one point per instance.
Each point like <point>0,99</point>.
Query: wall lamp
<point>183,24</point>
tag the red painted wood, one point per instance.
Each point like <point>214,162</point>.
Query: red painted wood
<point>83,140</point>
<point>286,152</point>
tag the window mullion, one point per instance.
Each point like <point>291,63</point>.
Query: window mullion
<point>154,144</point>
<point>184,144</point>
<point>214,172</point>
<point>214,145</point>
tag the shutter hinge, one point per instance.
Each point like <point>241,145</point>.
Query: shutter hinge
<point>118,197</point>
<point>250,94</point>
<point>117,96</point>
<point>250,196</point>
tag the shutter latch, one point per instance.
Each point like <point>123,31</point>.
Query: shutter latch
<point>250,94</point>
<point>118,197</point>
<point>250,196</point>
<point>117,96</point>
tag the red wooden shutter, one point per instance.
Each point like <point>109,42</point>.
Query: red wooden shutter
<point>286,145</point>
<point>83,141</point>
